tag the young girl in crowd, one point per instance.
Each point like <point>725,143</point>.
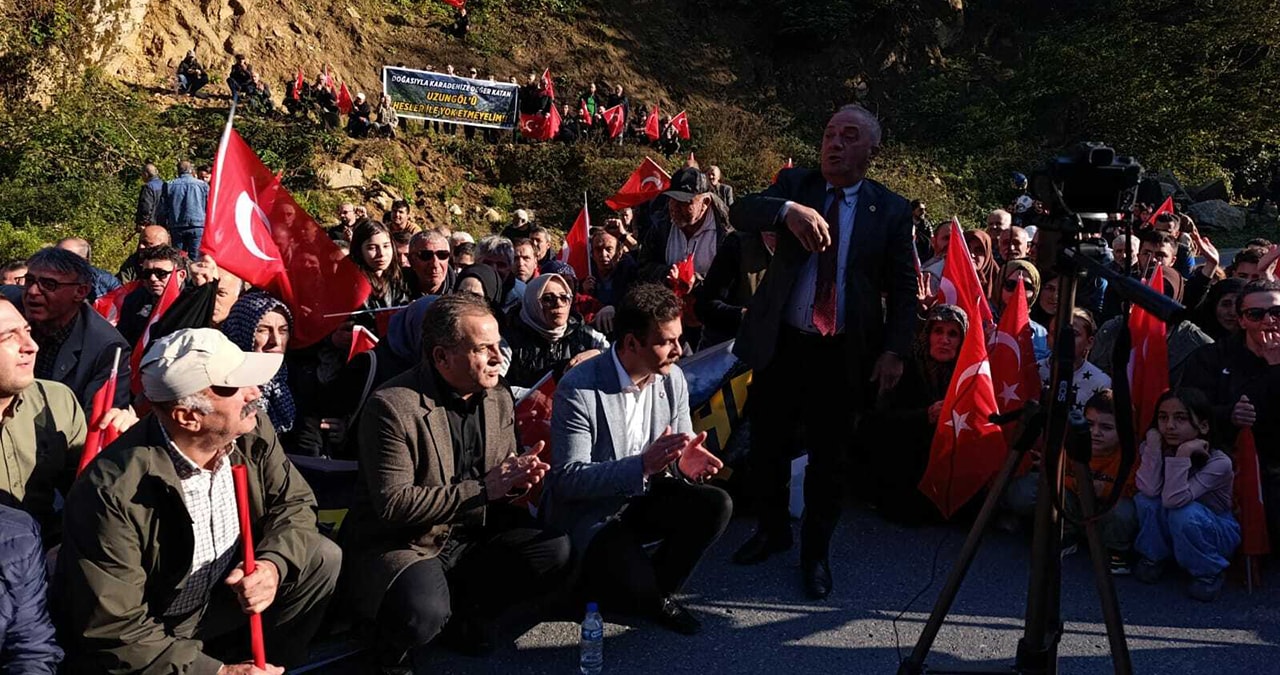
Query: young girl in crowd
<point>375,255</point>
<point>1184,500</point>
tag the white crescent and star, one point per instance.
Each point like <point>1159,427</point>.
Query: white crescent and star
<point>1009,392</point>
<point>245,208</point>
<point>657,182</point>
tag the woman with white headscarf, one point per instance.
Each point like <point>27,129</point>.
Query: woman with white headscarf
<point>544,335</point>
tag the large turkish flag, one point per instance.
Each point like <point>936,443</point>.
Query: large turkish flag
<point>645,183</point>
<point>247,205</point>
<point>576,250</point>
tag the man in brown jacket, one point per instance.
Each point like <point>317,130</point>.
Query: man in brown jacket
<point>150,563</point>
<point>432,533</point>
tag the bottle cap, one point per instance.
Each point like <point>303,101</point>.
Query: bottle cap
<point>592,607</point>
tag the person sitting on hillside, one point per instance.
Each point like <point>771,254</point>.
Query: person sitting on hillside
<point>259,96</point>
<point>669,141</point>
<point>460,24</point>
<point>325,100</point>
<point>386,120</point>
<point>570,126</point>
<point>240,81</point>
<point>191,75</point>
<point>360,119</point>
<point>297,103</point>
<point>519,228</point>
<point>402,219</point>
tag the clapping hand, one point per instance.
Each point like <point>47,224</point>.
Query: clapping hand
<point>664,450</point>
<point>516,473</point>
<point>696,462</point>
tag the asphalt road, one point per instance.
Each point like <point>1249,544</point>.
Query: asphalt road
<point>756,619</point>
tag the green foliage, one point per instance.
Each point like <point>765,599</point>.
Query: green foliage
<point>400,176</point>
<point>500,198</point>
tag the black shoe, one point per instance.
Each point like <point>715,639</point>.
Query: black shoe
<point>817,578</point>
<point>761,545</point>
<point>678,618</point>
<point>469,637</point>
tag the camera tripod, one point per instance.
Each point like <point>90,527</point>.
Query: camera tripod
<point>1066,445</point>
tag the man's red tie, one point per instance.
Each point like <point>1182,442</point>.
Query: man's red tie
<point>824,291</point>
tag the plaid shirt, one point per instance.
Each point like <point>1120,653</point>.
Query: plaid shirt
<point>210,497</point>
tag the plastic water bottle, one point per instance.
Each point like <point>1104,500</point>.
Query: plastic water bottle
<point>591,644</point>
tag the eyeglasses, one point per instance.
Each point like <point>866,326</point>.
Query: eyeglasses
<point>555,299</point>
<point>1256,314</point>
<point>426,256</point>
<point>156,272</point>
<point>47,284</point>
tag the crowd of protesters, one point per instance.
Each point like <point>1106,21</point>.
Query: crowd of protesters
<point>327,101</point>
<point>852,353</point>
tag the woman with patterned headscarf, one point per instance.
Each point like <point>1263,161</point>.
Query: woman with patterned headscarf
<point>261,323</point>
<point>900,427</point>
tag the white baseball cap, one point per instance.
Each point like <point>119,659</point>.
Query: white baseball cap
<point>191,360</point>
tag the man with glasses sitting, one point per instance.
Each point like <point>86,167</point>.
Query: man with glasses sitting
<point>77,345</point>
<point>155,266</point>
<point>429,255</point>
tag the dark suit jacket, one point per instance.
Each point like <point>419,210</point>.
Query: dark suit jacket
<point>880,264</point>
<point>407,502</point>
<point>736,273</point>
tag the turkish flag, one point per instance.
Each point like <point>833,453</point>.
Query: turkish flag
<point>297,86</point>
<point>1149,358</point>
<point>344,99</point>
<point>456,3</point>
<point>1165,207</point>
<point>615,117</point>
<point>361,341</point>
<point>586,114</point>
<point>651,125</point>
<point>553,123</point>
<point>681,123</point>
<point>1013,360</point>
<point>95,439</point>
<point>789,165</point>
<point>685,276</point>
<point>536,126</point>
<point>967,448</point>
<point>576,250</point>
<point>246,201</point>
<point>110,304</point>
<point>533,425</point>
<point>548,87</point>
<point>645,183</point>
<point>959,284</point>
<point>1248,495</point>
<point>172,289</point>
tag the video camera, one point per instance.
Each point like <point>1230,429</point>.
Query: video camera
<point>1089,180</point>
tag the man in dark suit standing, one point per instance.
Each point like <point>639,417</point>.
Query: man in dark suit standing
<point>817,332</point>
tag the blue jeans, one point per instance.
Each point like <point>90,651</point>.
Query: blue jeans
<point>1199,539</point>
<point>188,239</point>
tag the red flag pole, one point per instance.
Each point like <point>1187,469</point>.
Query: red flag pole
<point>240,476</point>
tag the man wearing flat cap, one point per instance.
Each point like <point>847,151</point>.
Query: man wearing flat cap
<point>150,571</point>
<point>689,218</point>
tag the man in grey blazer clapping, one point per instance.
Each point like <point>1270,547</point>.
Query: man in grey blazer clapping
<point>627,469</point>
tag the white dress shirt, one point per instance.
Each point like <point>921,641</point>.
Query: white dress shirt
<point>799,313</point>
<point>637,405</point>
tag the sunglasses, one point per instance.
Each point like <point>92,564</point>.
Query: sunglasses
<point>426,256</point>
<point>47,284</point>
<point>555,299</point>
<point>1012,284</point>
<point>159,274</point>
<point>1257,314</point>
<point>224,392</point>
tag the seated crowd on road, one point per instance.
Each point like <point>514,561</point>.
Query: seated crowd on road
<point>621,501</point>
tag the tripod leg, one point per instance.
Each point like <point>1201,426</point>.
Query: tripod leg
<point>915,663</point>
<point>1102,572</point>
<point>1038,648</point>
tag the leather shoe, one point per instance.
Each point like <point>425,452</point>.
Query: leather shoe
<point>678,618</point>
<point>760,546</point>
<point>817,578</point>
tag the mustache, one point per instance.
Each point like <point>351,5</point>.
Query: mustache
<point>256,406</point>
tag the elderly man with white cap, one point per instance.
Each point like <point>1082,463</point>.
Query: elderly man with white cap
<point>150,573</point>
<point>360,119</point>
